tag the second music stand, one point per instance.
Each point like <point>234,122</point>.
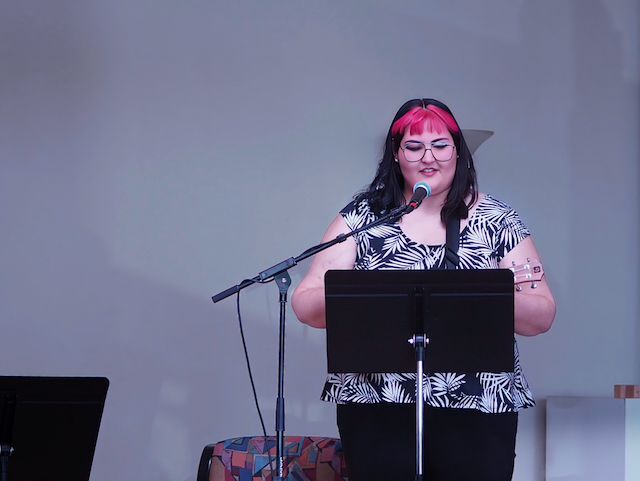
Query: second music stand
<point>49,426</point>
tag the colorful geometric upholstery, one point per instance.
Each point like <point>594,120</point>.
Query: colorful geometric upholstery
<point>305,459</point>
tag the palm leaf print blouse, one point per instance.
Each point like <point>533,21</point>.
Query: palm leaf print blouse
<point>492,231</point>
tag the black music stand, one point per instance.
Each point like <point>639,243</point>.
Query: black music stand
<point>391,321</point>
<point>49,426</point>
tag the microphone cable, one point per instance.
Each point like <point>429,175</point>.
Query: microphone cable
<point>253,386</point>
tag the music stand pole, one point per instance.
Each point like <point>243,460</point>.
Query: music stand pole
<point>419,343</point>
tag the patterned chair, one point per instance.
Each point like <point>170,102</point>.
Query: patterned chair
<point>247,459</point>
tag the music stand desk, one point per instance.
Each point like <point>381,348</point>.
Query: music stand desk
<point>420,321</point>
<point>51,424</point>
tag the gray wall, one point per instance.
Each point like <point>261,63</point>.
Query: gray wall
<point>153,153</point>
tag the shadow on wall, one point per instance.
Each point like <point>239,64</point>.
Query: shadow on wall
<point>585,97</point>
<point>174,361</point>
<point>591,123</point>
<point>177,372</point>
<point>602,132</point>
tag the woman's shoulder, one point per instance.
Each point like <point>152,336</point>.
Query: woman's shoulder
<point>490,203</point>
<point>495,212</point>
<point>357,212</point>
<point>499,218</point>
<point>359,204</point>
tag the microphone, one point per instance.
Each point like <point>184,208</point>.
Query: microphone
<point>421,191</point>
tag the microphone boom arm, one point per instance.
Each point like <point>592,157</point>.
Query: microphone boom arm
<point>270,273</point>
<point>279,273</point>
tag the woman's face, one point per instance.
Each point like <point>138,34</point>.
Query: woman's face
<point>438,174</point>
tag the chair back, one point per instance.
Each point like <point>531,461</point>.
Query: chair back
<point>306,458</point>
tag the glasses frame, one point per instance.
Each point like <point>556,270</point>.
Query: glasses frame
<point>403,147</point>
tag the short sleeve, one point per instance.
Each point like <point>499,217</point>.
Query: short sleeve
<point>357,213</point>
<point>512,231</point>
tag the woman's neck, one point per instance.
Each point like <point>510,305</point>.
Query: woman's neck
<point>431,206</point>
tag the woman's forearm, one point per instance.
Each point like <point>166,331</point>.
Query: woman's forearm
<point>534,313</point>
<point>309,306</point>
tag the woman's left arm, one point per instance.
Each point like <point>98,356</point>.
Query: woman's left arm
<point>535,309</point>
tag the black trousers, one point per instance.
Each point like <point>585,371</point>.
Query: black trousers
<point>460,444</point>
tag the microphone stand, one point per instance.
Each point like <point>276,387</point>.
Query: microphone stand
<point>279,273</point>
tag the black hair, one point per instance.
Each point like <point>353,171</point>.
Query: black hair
<point>386,191</point>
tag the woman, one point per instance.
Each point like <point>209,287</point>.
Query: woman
<point>470,420</point>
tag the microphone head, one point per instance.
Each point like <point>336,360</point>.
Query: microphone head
<point>421,191</point>
<point>425,186</point>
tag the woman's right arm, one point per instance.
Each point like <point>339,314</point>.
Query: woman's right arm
<point>308,298</point>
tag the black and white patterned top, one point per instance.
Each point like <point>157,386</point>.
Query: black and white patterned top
<point>492,231</point>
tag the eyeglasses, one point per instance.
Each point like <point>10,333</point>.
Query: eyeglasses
<point>415,151</point>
